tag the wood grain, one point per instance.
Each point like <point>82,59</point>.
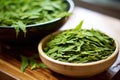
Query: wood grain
<point>12,66</point>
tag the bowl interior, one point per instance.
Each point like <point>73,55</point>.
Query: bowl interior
<point>44,41</point>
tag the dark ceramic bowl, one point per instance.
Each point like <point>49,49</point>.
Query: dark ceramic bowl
<point>34,32</point>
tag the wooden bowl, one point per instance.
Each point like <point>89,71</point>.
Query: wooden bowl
<point>72,69</point>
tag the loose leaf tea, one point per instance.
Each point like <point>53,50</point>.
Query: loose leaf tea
<point>80,46</point>
<point>19,13</point>
<point>24,63</point>
<point>32,62</point>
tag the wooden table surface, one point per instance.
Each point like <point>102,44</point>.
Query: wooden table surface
<point>10,62</point>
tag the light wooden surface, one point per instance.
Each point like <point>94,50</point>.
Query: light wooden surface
<point>11,66</point>
<point>91,19</point>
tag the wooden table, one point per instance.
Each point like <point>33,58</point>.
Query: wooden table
<point>10,62</point>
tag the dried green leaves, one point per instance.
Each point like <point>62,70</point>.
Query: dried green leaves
<point>32,62</point>
<point>80,46</point>
<point>27,12</point>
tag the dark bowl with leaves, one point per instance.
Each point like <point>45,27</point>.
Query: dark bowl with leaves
<point>24,21</point>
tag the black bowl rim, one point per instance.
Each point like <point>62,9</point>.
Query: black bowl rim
<point>71,4</point>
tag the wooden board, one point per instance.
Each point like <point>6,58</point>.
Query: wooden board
<point>10,63</point>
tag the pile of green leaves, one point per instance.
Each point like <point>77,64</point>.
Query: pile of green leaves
<point>19,13</point>
<point>80,46</point>
<point>32,62</point>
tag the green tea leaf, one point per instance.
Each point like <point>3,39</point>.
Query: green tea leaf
<point>19,26</point>
<point>17,29</point>
<point>32,62</point>
<point>79,26</point>
<point>24,63</point>
<point>41,65</point>
<point>73,57</point>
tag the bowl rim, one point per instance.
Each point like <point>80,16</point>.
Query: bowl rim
<point>71,8</point>
<point>41,53</point>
